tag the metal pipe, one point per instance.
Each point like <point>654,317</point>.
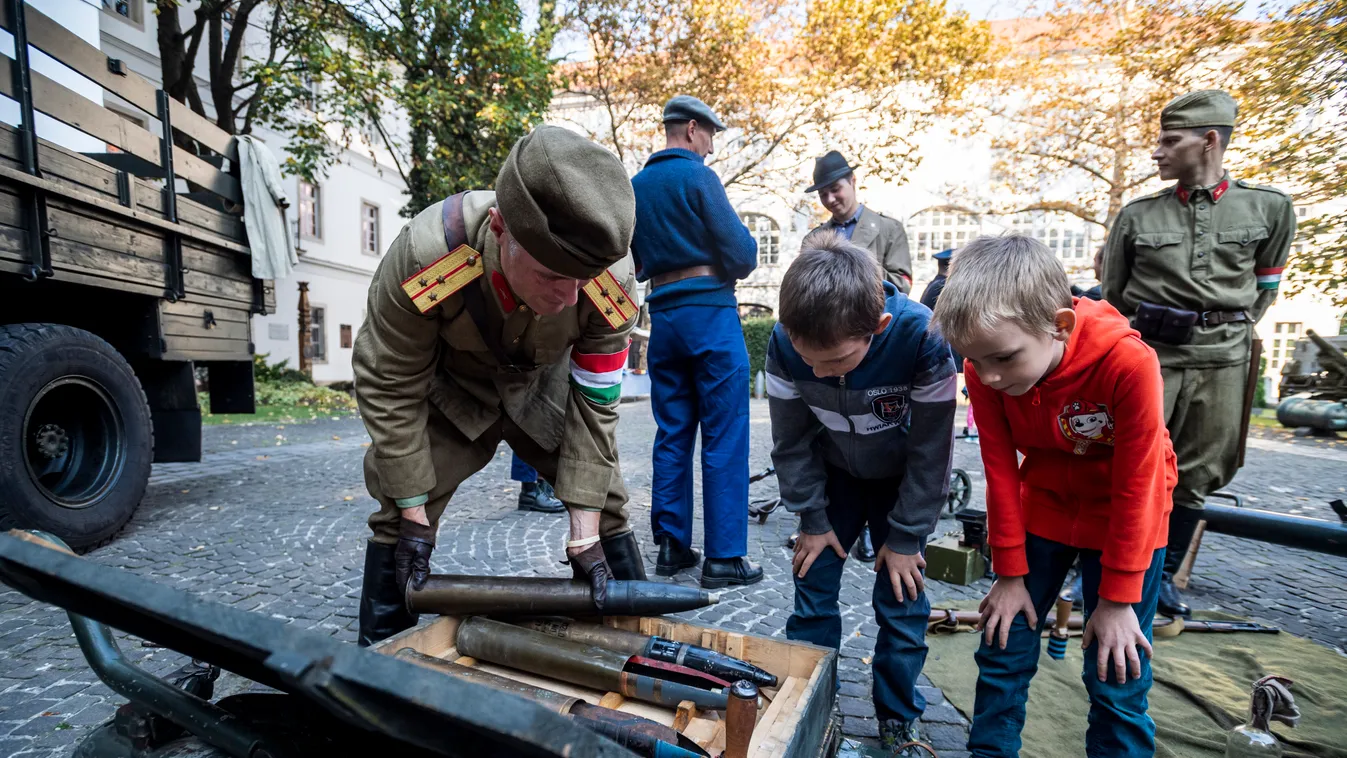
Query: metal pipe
<point>533,596</point>
<point>1314,534</point>
<point>207,721</point>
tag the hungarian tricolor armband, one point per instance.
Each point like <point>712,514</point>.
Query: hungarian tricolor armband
<point>1269,278</point>
<point>611,300</point>
<point>431,285</point>
<point>598,376</point>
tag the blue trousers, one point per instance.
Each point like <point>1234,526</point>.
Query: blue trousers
<point>900,649</point>
<point>698,368</point>
<point>1119,726</point>
<point>521,471</point>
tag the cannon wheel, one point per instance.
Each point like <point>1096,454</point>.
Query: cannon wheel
<point>960,489</point>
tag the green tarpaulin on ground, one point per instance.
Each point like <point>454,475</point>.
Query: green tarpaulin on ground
<point>1202,687</point>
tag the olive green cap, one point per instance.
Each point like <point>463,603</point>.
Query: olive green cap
<point>1208,107</point>
<point>567,201</point>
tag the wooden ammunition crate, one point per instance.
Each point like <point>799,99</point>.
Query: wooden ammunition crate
<point>795,720</point>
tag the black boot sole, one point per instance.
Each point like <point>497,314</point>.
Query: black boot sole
<point>718,584</point>
<point>536,509</point>
<point>662,569</point>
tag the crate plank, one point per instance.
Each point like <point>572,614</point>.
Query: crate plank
<point>186,326</point>
<point>196,311</point>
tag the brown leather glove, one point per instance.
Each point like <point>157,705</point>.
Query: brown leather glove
<point>594,565</point>
<point>411,559</point>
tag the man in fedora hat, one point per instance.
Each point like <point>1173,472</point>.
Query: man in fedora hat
<point>692,248</point>
<point>835,183</point>
<point>500,315</point>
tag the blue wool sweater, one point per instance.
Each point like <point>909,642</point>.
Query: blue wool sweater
<point>683,219</point>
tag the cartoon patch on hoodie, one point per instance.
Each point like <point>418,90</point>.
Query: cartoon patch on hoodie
<point>1083,422</point>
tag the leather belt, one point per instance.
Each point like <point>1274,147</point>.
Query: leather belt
<point>1216,318</point>
<point>683,273</point>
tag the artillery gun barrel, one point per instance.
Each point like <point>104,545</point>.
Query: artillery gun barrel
<point>533,596</point>
<point>1330,357</point>
<point>1319,535</point>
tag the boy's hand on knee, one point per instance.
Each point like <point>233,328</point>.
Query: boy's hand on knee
<point>904,572</point>
<point>808,548</point>
<point>1006,600</point>
<point>1115,627</point>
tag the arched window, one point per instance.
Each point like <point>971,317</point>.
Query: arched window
<point>768,235</point>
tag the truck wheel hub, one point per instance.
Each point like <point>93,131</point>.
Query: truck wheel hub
<point>51,441</point>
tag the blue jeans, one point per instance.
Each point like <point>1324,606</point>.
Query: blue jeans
<point>1119,726</point>
<point>521,471</point>
<point>698,368</point>
<point>900,649</point>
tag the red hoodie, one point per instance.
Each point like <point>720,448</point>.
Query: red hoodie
<point>1098,470</point>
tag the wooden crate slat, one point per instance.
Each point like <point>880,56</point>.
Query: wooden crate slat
<point>224,289</point>
<point>193,310</point>
<point>193,169</point>
<point>186,326</point>
<point>87,259</point>
<point>67,47</point>
<point>139,241</point>
<point>70,107</point>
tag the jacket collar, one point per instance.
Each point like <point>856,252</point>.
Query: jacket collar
<point>672,153</point>
<point>1217,191</point>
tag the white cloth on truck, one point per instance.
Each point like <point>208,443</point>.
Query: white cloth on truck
<point>263,215</point>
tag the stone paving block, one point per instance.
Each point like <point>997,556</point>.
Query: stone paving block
<point>860,727</point>
<point>946,737</point>
<point>942,713</point>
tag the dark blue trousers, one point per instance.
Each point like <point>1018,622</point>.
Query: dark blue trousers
<point>900,649</point>
<point>521,471</point>
<point>698,368</point>
<point>1119,726</point>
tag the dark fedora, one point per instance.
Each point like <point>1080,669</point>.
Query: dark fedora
<point>828,169</point>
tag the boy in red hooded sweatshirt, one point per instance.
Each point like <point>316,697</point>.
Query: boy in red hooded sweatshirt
<point>1068,384</point>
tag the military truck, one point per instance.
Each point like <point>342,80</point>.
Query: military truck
<point>1314,386</point>
<point>122,272</point>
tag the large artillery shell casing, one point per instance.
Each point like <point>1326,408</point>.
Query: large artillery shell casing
<point>621,640</point>
<point>553,701</point>
<point>740,718</point>
<point>534,596</point>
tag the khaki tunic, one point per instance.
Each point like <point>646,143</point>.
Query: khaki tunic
<point>886,238</point>
<point>1201,255</point>
<point>436,401</point>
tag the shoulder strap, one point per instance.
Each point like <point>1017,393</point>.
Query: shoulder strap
<point>455,234</point>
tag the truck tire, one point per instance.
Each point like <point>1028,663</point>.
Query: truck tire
<point>75,435</point>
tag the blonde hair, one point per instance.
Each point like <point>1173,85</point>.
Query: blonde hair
<point>993,280</point>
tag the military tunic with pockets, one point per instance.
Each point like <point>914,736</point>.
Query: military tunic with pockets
<point>887,239</point>
<point>1218,248</point>
<point>437,401</point>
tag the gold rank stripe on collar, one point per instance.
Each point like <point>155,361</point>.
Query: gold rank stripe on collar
<point>431,285</point>
<point>611,300</point>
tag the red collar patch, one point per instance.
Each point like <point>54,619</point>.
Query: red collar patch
<point>1217,192</point>
<point>1183,193</point>
<point>503,294</point>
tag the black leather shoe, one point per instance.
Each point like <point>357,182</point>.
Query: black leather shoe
<point>624,556</point>
<point>723,572</point>
<point>383,606</point>
<point>673,557</point>
<point>1171,600</point>
<point>539,496</point>
<point>865,549</point>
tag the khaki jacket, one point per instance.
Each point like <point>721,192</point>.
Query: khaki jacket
<point>886,238</point>
<point>405,360</point>
<point>1201,251</point>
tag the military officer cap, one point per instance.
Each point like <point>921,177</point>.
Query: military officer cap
<point>689,108</point>
<point>944,255</point>
<point>567,201</point>
<point>1208,107</point>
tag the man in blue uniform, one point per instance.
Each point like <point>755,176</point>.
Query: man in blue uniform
<point>691,246</point>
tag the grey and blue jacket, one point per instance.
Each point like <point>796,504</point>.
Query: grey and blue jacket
<point>891,416</point>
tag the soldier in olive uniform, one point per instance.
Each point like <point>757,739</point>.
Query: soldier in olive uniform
<point>1195,266</point>
<point>835,183</point>
<point>500,316</point>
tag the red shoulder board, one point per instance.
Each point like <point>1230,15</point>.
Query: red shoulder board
<point>611,300</point>
<point>431,285</point>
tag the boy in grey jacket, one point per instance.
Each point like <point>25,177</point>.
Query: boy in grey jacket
<point>862,404</point>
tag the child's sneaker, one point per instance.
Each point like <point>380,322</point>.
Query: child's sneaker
<point>902,739</point>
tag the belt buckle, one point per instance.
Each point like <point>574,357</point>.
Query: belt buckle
<point>1202,319</point>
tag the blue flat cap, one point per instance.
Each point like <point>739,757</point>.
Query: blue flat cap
<point>689,108</point>
<point>943,255</point>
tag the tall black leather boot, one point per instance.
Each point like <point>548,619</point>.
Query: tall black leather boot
<point>1182,524</point>
<point>383,606</point>
<point>624,556</point>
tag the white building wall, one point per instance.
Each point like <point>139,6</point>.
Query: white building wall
<point>338,273</point>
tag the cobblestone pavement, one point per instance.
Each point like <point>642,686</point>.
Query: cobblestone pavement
<point>273,522</point>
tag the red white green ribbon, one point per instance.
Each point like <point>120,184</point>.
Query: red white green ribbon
<point>598,376</point>
<point>1268,278</point>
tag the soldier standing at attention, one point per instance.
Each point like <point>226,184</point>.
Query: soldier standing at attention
<point>1194,267</point>
<point>500,316</point>
<point>835,183</point>
<point>692,247</point>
